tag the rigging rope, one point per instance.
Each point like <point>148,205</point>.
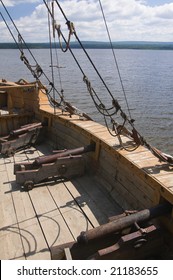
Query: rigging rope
<point>113,100</point>
<point>65,106</point>
<point>65,40</point>
<point>51,57</point>
<point>86,53</point>
<point>38,70</point>
<point>115,59</point>
<point>71,32</point>
<point>135,135</point>
<point>106,112</point>
<point>56,52</point>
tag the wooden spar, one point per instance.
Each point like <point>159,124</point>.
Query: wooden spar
<point>124,222</point>
<point>53,158</point>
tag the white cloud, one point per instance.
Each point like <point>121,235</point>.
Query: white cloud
<point>127,20</point>
<point>166,12</point>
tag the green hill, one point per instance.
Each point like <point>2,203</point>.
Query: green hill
<point>100,45</point>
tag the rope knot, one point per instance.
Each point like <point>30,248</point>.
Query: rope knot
<point>39,70</point>
<point>102,106</point>
<point>71,27</point>
<point>58,29</point>
<point>19,38</point>
<point>116,105</point>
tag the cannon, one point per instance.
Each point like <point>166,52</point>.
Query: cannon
<point>60,154</point>
<point>130,235</point>
<point>63,164</point>
<point>123,223</point>
<point>18,139</point>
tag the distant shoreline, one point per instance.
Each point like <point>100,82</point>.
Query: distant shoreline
<point>100,45</point>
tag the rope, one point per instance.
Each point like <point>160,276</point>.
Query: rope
<point>71,32</point>
<point>106,112</point>
<point>86,53</point>
<point>22,57</point>
<point>114,102</point>
<point>58,69</point>
<point>19,35</point>
<point>65,40</point>
<point>56,52</point>
<point>38,70</point>
<point>115,59</point>
<point>51,58</point>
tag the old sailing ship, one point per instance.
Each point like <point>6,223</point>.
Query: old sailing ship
<point>102,194</point>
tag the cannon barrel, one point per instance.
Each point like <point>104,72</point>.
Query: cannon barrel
<point>53,158</point>
<point>124,222</point>
<point>24,129</point>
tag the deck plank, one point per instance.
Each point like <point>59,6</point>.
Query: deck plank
<point>42,200</point>
<point>2,165</point>
<point>103,200</point>
<point>77,221</point>
<point>9,163</point>
<point>11,246</point>
<point>88,206</point>
<point>55,228</point>
<point>29,205</point>
<point>141,156</point>
<point>23,206</point>
<point>7,217</point>
<point>69,209</point>
<point>34,243</point>
<point>166,179</point>
<point>20,157</point>
<point>5,186</point>
<point>138,150</point>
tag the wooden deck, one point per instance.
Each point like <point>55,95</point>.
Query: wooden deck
<point>50,214</point>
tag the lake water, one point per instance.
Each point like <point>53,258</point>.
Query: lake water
<point>147,77</point>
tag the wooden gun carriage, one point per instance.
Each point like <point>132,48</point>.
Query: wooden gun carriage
<point>25,136</point>
<point>64,164</point>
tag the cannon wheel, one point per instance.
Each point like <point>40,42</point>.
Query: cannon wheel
<point>28,185</point>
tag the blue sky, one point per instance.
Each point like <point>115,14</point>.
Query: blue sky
<point>157,2</point>
<point>21,10</point>
<point>136,20</point>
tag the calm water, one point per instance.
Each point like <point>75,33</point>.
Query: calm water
<point>146,75</point>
